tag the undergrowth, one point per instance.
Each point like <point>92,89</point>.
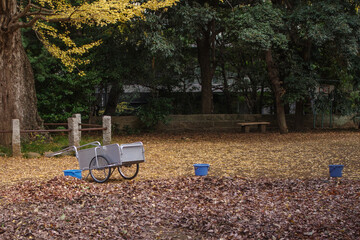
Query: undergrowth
<point>41,144</point>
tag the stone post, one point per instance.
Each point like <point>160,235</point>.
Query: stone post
<point>73,125</point>
<point>106,133</point>
<point>78,117</point>
<point>15,144</point>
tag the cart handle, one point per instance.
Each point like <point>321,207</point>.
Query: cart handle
<point>68,149</point>
<point>96,143</point>
<point>72,148</point>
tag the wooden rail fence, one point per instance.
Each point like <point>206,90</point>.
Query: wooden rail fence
<point>74,129</point>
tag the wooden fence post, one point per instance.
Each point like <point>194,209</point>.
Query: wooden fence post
<point>73,125</point>
<point>106,133</point>
<point>16,142</point>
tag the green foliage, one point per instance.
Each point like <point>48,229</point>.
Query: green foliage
<point>155,111</point>
<point>310,41</point>
<point>40,143</point>
<point>347,97</point>
<point>124,108</point>
<point>300,81</point>
<point>259,26</point>
<point>60,93</point>
<point>6,151</point>
<point>130,131</point>
<point>35,143</point>
<point>322,103</point>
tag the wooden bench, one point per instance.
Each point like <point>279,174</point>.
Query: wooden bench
<point>247,125</point>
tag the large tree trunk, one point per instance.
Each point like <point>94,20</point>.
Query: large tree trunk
<point>114,94</point>
<point>204,58</point>
<point>278,92</point>
<point>299,110</point>
<point>299,116</point>
<point>17,86</point>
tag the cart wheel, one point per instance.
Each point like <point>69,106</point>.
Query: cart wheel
<point>129,171</point>
<point>99,169</point>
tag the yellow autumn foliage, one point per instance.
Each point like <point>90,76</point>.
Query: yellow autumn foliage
<point>92,13</point>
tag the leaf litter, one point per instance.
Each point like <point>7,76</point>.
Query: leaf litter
<point>182,208</point>
<point>260,186</point>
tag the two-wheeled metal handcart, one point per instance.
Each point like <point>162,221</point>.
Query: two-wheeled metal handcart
<point>101,161</point>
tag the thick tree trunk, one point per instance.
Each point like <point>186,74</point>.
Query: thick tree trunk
<point>17,86</point>
<point>278,92</point>
<point>204,58</point>
<point>114,94</point>
<point>299,116</point>
<point>299,110</point>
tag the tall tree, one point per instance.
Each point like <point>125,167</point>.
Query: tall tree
<point>261,26</point>
<point>17,91</point>
<point>324,37</point>
<point>200,22</point>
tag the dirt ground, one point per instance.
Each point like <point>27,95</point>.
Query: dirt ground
<point>252,155</point>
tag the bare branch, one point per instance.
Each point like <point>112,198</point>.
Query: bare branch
<point>17,25</point>
<point>23,13</point>
<point>31,23</point>
<point>39,13</point>
<point>41,8</point>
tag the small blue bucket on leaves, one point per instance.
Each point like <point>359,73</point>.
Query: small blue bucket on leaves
<point>336,170</point>
<point>73,173</point>
<point>201,169</point>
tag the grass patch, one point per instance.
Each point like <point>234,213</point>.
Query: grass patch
<point>41,144</point>
<point>5,151</point>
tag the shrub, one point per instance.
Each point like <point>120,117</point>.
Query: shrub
<point>155,111</point>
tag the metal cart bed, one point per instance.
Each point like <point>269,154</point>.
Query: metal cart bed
<point>101,161</point>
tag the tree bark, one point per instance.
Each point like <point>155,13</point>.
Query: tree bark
<point>299,116</point>
<point>114,94</point>
<point>17,85</point>
<point>204,58</point>
<point>299,110</point>
<point>275,83</point>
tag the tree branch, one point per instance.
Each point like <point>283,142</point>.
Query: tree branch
<point>3,5</point>
<point>41,8</point>
<point>38,13</point>
<point>31,23</point>
<point>14,26</point>
<point>23,13</point>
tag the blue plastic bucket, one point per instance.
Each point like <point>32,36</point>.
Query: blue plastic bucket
<point>201,169</point>
<point>73,173</point>
<point>336,170</point>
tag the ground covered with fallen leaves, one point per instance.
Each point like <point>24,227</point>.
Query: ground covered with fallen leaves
<point>253,155</point>
<point>259,186</point>
<point>182,208</point>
